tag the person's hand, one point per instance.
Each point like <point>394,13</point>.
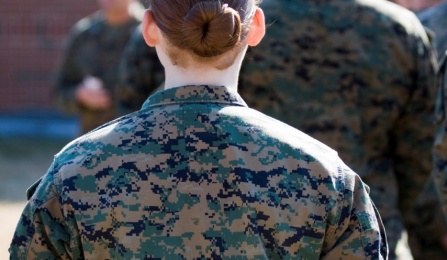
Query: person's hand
<point>92,94</point>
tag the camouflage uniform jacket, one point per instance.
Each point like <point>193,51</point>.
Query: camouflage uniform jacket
<point>93,48</point>
<point>359,77</point>
<point>435,19</point>
<point>197,174</point>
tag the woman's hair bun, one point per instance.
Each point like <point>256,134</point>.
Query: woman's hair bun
<point>210,28</point>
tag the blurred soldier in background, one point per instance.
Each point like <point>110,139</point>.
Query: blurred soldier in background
<point>140,74</point>
<point>88,70</point>
<point>358,76</point>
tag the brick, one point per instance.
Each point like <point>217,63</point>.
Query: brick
<point>31,38</point>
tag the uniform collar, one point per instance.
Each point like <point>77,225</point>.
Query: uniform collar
<point>194,94</point>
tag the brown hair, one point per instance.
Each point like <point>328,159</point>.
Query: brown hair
<point>207,28</point>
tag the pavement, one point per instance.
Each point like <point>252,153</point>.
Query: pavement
<point>9,214</point>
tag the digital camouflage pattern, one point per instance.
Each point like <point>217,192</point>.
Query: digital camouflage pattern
<point>359,77</point>
<point>93,48</point>
<point>198,174</point>
<point>140,74</point>
<point>440,145</point>
<point>435,19</point>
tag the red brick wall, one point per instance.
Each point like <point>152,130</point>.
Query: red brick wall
<point>31,38</point>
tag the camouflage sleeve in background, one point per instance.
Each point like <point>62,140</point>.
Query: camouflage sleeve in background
<point>140,74</point>
<point>413,130</point>
<point>440,145</point>
<point>195,174</point>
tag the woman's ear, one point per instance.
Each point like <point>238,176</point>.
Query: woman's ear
<point>149,29</point>
<point>257,28</point>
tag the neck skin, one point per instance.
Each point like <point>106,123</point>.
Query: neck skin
<point>200,74</point>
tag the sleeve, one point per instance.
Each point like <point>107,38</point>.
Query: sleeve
<point>140,74</point>
<point>359,233</point>
<point>44,231</point>
<point>440,143</point>
<point>40,233</point>
<point>413,132</point>
<point>68,75</point>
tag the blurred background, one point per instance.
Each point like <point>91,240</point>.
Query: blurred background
<point>32,130</point>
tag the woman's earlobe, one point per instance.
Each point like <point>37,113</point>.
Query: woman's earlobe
<point>149,29</point>
<point>257,28</point>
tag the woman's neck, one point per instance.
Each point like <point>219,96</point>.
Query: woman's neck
<point>200,74</point>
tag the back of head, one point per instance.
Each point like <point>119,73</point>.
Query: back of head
<point>205,28</point>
